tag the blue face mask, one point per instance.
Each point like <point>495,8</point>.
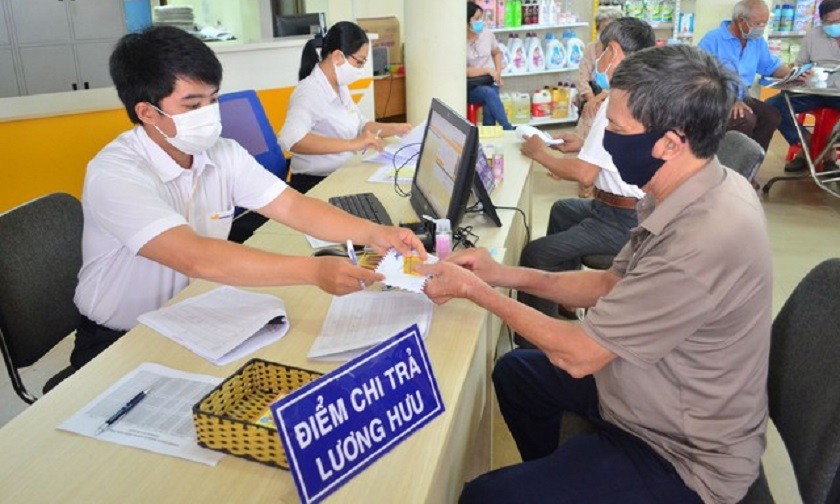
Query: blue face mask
<point>477,26</point>
<point>601,78</point>
<point>631,155</point>
<point>832,30</point>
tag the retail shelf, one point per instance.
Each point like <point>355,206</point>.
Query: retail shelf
<point>541,72</point>
<point>685,35</point>
<point>539,27</point>
<point>786,34</point>
<point>547,121</point>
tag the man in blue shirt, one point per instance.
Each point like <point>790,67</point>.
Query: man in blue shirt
<point>740,46</point>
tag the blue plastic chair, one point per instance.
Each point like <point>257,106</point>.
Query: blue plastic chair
<point>244,120</point>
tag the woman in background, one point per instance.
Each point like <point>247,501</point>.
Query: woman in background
<point>484,63</point>
<point>590,101</point>
<point>324,127</point>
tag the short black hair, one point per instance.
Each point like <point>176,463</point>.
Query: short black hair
<point>679,88</point>
<point>144,66</point>
<point>472,8</point>
<point>828,6</point>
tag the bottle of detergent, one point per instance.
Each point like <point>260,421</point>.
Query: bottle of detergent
<point>555,53</point>
<point>508,13</point>
<point>536,56</point>
<point>541,104</point>
<point>518,56</point>
<point>574,49</point>
<point>505,56</point>
<point>517,12</point>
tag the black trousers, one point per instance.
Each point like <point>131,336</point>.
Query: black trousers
<point>760,125</point>
<point>302,183</point>
<point>91,340</point>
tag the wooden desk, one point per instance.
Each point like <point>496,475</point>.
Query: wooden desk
<point>389,96</point>
<point>42,464</point>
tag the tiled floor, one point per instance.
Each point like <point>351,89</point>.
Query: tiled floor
<point>802,221</point>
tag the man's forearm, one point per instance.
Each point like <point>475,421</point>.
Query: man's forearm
<point>571,288</point>
<point>568,169</point>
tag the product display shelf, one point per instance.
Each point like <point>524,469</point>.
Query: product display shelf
<point>679,6</point>
<point>791,34</point>
<point>535,27</point>
<point>541,72</point>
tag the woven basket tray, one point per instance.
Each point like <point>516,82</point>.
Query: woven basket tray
<point>231,418</point>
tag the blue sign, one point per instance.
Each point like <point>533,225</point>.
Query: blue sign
<point>336,426</point>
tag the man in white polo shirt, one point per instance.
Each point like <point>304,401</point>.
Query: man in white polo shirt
<point>579,227</point>
<point>158,201</point>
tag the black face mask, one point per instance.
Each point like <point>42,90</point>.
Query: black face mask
<point>631,155</point>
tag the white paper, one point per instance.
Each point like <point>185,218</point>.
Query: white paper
<point>221,325</point>
<point>403,152</point>
<point>317,243</point>
<point>386,173</point>
<point>162,422</point>
<point>392,267</point>
<point>358,321</point>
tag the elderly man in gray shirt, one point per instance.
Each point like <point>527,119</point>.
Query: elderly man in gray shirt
<point>671,361</point>
<point>821,46</point>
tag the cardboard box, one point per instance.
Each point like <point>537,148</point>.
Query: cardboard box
<point>388,29</point>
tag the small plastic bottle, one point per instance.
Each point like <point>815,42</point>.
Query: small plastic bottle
<point>498,167</point>
<point>443,238</point>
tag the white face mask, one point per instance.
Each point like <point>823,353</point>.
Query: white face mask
<point>346,73</point>
<point>196,130</point>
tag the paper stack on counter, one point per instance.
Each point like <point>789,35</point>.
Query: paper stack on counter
<point>358,321</point>
<point>222,325</point>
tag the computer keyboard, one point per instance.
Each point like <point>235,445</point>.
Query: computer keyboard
<point>364,205</point>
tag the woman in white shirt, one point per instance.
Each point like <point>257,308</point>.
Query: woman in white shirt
<point>324,127</point>
<point>484,69</point>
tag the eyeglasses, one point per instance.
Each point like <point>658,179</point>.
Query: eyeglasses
<point>360,61</point>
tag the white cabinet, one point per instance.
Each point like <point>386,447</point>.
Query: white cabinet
<point>4,30</point>
<point>40,21</point>
<point>8,79</point>
<point>48,69</point>
<point>62,45</point>
<point>93,64</point>
<point>96,19</point>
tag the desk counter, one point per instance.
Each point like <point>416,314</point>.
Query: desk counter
<point>42,464</point>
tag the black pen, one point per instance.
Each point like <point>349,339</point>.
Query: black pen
<point>122,411</point>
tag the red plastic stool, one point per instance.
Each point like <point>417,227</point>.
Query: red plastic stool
<point>824,120</point>
<point>472,112</point>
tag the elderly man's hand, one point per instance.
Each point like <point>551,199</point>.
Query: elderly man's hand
<point>448,280</point>
<point>532,146</point>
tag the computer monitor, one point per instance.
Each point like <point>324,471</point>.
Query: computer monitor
<point>300,24</point>
<point>445,171</point>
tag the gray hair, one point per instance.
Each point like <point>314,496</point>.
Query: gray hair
<point>630,33</point>
<point>745,8</point>
<point>679,88</point>
<point>607,15</point>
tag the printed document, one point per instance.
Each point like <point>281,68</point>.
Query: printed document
<point>402,153</point>
<point>222,325</point>
<point>162,422</point>
<point>358,321</point>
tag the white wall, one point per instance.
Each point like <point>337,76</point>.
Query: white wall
<point>435,55</point>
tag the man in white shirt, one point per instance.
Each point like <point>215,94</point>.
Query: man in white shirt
<point>158,201</point>
<point>579,227</point>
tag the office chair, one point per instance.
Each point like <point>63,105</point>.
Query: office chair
<point>803,388</point>
<point>740,153</point>
<point>40,258</point>
<point>244,120</point>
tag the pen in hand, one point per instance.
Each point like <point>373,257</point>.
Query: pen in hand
<point>378,132</point>
<point>351,253</point>
<point>122,411</point>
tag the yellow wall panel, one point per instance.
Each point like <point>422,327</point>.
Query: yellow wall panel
<point>46,155</point>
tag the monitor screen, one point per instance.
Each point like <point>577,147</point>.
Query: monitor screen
<point>445,169</point>
<point>301,24</point>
